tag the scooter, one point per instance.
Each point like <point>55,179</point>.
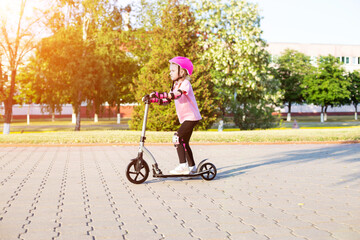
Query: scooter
<point>138,170</point>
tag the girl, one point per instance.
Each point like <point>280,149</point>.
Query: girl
<point>187,110</point>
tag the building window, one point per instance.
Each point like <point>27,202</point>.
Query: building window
<point>343,59</point>
<point>347,60</point>
<point>358,60</point>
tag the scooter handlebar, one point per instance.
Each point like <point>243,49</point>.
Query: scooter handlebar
<point>146,98</point>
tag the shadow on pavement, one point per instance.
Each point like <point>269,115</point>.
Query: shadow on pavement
<point>351,153</point>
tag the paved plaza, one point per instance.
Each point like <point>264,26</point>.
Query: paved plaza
<point>309,191</point>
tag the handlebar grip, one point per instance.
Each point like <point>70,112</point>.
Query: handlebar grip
<point>146,98</point>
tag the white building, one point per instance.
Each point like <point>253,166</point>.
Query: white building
<point>349,55</point>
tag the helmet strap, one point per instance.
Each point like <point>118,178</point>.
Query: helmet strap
<point>172,86</point>
<point>177,79</point>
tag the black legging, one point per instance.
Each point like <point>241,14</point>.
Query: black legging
<point>184,150</point>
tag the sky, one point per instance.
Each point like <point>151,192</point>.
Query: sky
<point>9,11</point>
<point>294,21</point>
<point>308,21</point>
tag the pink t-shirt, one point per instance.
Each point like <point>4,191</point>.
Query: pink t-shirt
<point>186,106</point>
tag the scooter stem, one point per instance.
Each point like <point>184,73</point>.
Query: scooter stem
<point>144,123</point>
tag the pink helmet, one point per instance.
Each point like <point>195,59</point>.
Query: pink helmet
<point>184,63</point>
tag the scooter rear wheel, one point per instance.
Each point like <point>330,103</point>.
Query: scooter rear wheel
<point>210,171</point>
<point>137,176</point>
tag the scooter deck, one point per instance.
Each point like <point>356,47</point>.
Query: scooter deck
<point>182,175</point>
<point>179,175</point>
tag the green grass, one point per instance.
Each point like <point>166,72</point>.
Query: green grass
<point>314,122</point>
<point>304,122</point>
<point>65,121</point>
<point>125,137</point>
<point>46,125</point>
<point>337,128</point>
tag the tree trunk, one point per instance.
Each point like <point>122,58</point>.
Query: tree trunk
<point>9,104</point>
<point>118,114</point>
<point>244,113</point>
<point>73,116</point>
<point>28,116</point>
<point>325,114</point>
<point>78,120</point>
<point>289,113</point>
<point>78,113</point>
<point>96,110</point>
<point>356,115</point>
<point>322,114</point>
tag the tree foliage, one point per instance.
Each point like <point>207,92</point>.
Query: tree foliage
<point>231,37</point>
<point>290,69</point>
<point>176,35</point>
<point>17,39</point>
<point>73,64</point>
<point>107,31</point>
<point>82,58</point>
<point>354,89</point>
<point>327,86</point>
<point>37,84</point>
<point>96,54</point>
<point>3,82</point>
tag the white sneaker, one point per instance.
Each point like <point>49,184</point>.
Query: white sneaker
<point>181,169</point>
<point>193,170</point>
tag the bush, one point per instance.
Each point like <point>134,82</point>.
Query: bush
<point>253,116</point>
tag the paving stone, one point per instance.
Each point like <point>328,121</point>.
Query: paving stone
<point>291,221</point>
<point>38,233</point>
<point>287,238</point>
<point>236,228</point>
<point>75,232</point>
<point>312,233</point>
<point>314,218</point>
<point>346,235</point>
<point>10,231</point>
<point>261,192</point>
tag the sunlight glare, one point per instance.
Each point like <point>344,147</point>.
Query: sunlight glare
<point>10,12</point>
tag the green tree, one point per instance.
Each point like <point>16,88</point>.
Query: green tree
<point>17,39</point>
<point>327,86</point>
<point>69,54</point>
<point>231,36</point>
<point>176,35</point>
<point>84,51</point>
<point>354,88</point>
<point>38,84</point>
<point>112,46</point>
<point>3,81</point>
<point>74,63</point>
<point>108,30</point>
<point>290,69</point>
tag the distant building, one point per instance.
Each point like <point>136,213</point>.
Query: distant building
<point>349,55</point>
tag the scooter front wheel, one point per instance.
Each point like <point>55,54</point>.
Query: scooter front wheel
<point>137,173</point>
<point>210,171</point>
